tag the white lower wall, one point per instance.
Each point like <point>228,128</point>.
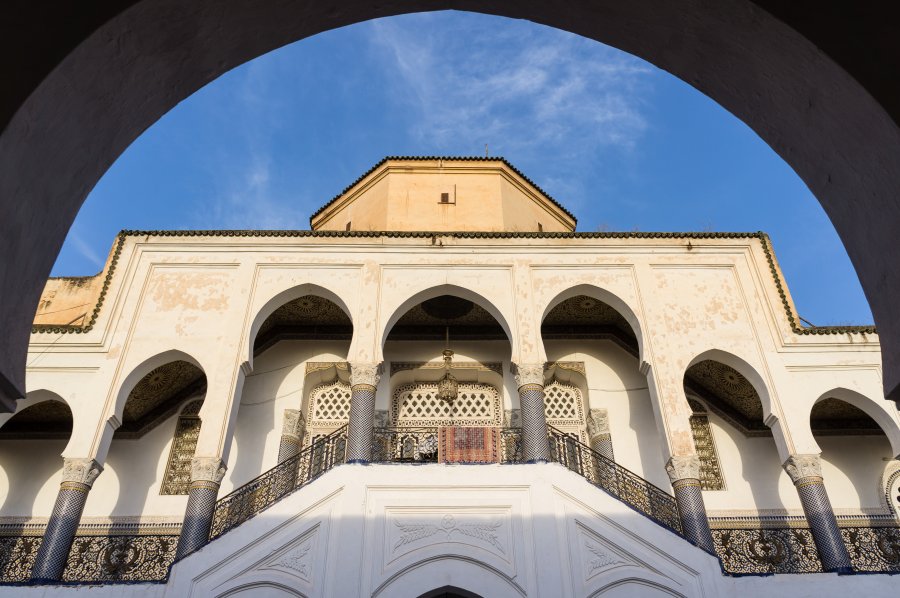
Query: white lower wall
<point>497,531</point>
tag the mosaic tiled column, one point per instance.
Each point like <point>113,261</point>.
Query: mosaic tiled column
<point>291,435</point>
<point>206,476</point>
<point>363,382</point>
<point>535,445</point>
<point>598,433</point>
<point>806,473</point>
<point>684,473</point>
<point>77,478</point>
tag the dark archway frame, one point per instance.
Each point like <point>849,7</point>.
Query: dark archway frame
<point>80,84</point>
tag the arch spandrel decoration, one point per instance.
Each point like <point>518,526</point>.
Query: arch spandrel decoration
<point>417,405</point>
<point>177,478</point>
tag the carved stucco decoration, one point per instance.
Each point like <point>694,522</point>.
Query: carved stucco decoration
<point>834,416</point>
<point>729,393</point>
<point>208,469</point>
<point>307,310</point>
<point>529,373</point>
<point>177,477</point>
<point>81,471</point>
<point>487,532</point>
<point>297,560</point>
<point>157,395</point>
<point>581,313</point>
<point>710,471</point>
<point>365,374</point>
<point>418,405</point>
<point>598,423</point>
<point>489,366</point>
<point>803,466</point>
<point>474,316</point>
<point>44,420</point>
<point>293,423</point>
<point>683,467</point>
<point>320,366</point>
<point>571,366</point>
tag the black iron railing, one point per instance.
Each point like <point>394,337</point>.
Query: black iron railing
<point>405,445</point>
<point>267,489</point>
<point>621,483</point>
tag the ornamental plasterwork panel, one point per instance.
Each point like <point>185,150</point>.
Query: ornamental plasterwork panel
<point>299,559</point>
<point>571,366</point>
<point>489,366</point>
<point>710,471</point>
<point>596,555</point>
<point>320,366</point>
<point>418,405</point>
<point>177,477</point>
<point>329,404</point>
<point>563,404</point>
<point>408,532</point>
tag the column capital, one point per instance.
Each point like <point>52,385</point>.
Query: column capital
<point>529,373</point>
<point>367,374</point>
<point>803,466</point>
<point>292,424</point>
<point>81,471</point>
<point>597,423</point>
<point>683,467</point>
<point>207,469</point>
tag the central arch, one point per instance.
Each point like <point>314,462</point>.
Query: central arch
<point>77,120</point>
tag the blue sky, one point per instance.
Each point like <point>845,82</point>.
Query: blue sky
<point>622,144</point>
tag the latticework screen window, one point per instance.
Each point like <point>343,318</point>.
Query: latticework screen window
<point>328,410</point>
<point>177,479</point>
<point>710,471</point>
<point>418,405</point>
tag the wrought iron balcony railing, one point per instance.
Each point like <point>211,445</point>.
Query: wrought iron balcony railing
<point>267,489</point>
<point>609,476</point>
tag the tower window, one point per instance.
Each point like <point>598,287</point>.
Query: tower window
<point>348,226</point>
<point>445,198</point>
<point>540,227</point>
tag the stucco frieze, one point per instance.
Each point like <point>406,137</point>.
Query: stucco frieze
<point>803,466</point>
<point>82,471</point>
<point>683,467</point>
<point>209,469</point>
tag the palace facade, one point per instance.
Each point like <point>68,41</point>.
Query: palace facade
<point>443,389</point>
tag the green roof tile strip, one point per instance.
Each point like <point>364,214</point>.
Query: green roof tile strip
<point>449,159</point>
<point>763,237</point>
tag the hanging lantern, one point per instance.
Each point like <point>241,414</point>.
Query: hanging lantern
<point>448,387</point>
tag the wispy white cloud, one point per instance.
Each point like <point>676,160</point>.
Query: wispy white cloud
<point>84,248</point>
<point>522,90</point>
<point>245,196</point>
